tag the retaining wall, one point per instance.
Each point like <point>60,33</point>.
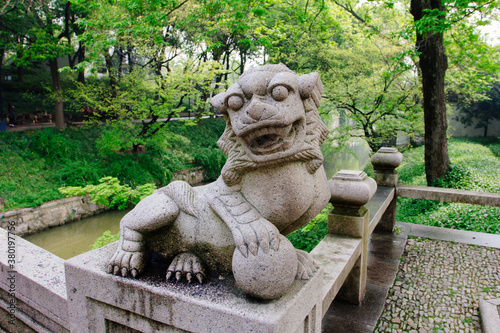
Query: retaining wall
<point>50,214</point>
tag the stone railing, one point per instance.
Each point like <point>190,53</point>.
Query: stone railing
<point>41,292</point>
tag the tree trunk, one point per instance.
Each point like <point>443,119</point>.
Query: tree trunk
<point>111,72</point>
<point>485,133</point>
<point>433,65</point>
<point>81,58</point>
<point>2,54</point>
<point>58,100</point>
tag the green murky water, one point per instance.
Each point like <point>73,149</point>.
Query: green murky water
<point>75,238</point>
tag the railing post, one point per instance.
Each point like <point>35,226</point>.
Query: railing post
<point>351,190</point>
<point>385,162</point>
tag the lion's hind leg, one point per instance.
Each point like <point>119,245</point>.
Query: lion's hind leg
<point>152,213</point>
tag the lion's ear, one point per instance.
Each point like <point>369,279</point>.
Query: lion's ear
<point>218,102</point>
<point>310,86</point>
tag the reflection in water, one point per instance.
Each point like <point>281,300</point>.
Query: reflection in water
<point>347,161</point>
<point>74,238</point>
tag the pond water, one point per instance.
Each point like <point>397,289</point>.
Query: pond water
<point>74,238</point>
<point>348,161</point>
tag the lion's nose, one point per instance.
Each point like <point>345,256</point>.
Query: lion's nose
<point>258,111</point>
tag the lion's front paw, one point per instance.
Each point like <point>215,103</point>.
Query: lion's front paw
<point>306,267</point>
<point>260,233</point>
<point>186,265</point>
<point>125,263</point>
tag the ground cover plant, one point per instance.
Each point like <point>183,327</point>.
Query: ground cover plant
<point>36,163</point>
<point>474,166</point>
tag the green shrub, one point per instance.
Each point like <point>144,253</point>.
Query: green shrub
<point>105,239</point>
<point>110,193</point>
<point>212,160</point>
<point>35,163</point>
<point>307,237</point>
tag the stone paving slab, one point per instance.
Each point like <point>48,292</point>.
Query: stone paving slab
<point>385,249</point>
<point>452,235</point>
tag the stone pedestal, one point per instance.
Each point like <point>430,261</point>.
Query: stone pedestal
<point>350,191</point>
<point>100,302</point>
<point>385,161</point>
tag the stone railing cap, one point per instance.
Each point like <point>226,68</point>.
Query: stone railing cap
<point>387,150</point>
<point>350,175</point>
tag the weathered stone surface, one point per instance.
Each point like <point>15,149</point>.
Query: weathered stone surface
<point>385,162</point>
<point>449,195</point>
<point>272,183</point>
<point>268,274</point>
<point>386,158</point>
<point>34,279</point>
<point>351,188</point>
<point>97,301</point>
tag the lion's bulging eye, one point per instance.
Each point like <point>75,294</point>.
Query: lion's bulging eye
<point>235,102</point>
<point>280,93</point>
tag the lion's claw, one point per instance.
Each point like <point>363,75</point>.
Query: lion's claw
<point>126,263</point>
<point>257,234</point>
<point>306,267</point>
<point>185,265</point>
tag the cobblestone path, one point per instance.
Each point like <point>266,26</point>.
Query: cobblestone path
<point>438,287</point>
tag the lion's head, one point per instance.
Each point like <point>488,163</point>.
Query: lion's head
<point>271,117</point>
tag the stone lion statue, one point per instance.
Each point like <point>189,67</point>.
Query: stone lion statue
<point>272,183</point>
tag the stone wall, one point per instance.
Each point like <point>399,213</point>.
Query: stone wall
<point>50,214</point>
<point>192,176</point>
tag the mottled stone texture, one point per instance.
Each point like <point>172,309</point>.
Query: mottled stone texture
<point>272,183</point>
<point>32,288</point>
<point>385,161</point>
<point>100,302</point>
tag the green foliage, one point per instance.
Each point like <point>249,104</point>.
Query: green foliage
<point>105,239</point>
<point>110,193</point>
<point>475,165</point>
<point>307,237</point>
<point>212,160</point>
<point>36,163</point>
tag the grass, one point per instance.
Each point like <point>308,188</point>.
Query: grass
<point>475,165</point>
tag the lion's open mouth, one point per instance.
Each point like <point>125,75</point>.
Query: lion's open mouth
<point>268,140</point>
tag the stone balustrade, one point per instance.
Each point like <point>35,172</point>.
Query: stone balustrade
<point>48,294</point>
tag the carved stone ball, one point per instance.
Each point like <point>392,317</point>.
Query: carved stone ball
<point>266,275</point>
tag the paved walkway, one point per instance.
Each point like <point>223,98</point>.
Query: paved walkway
<point>423,285</point>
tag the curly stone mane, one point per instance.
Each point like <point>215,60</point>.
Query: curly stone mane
<point>238,162</point>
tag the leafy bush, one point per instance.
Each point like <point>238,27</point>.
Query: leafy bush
<point>110,193</point>
<point>105,239</point>
<point>212,160</point>
<point>35,163</point>
<point>307,237</point>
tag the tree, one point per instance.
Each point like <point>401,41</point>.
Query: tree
<point>432,19</point>
<point>380,94</point>
<point>433,65</point>
<point>43,36</point>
